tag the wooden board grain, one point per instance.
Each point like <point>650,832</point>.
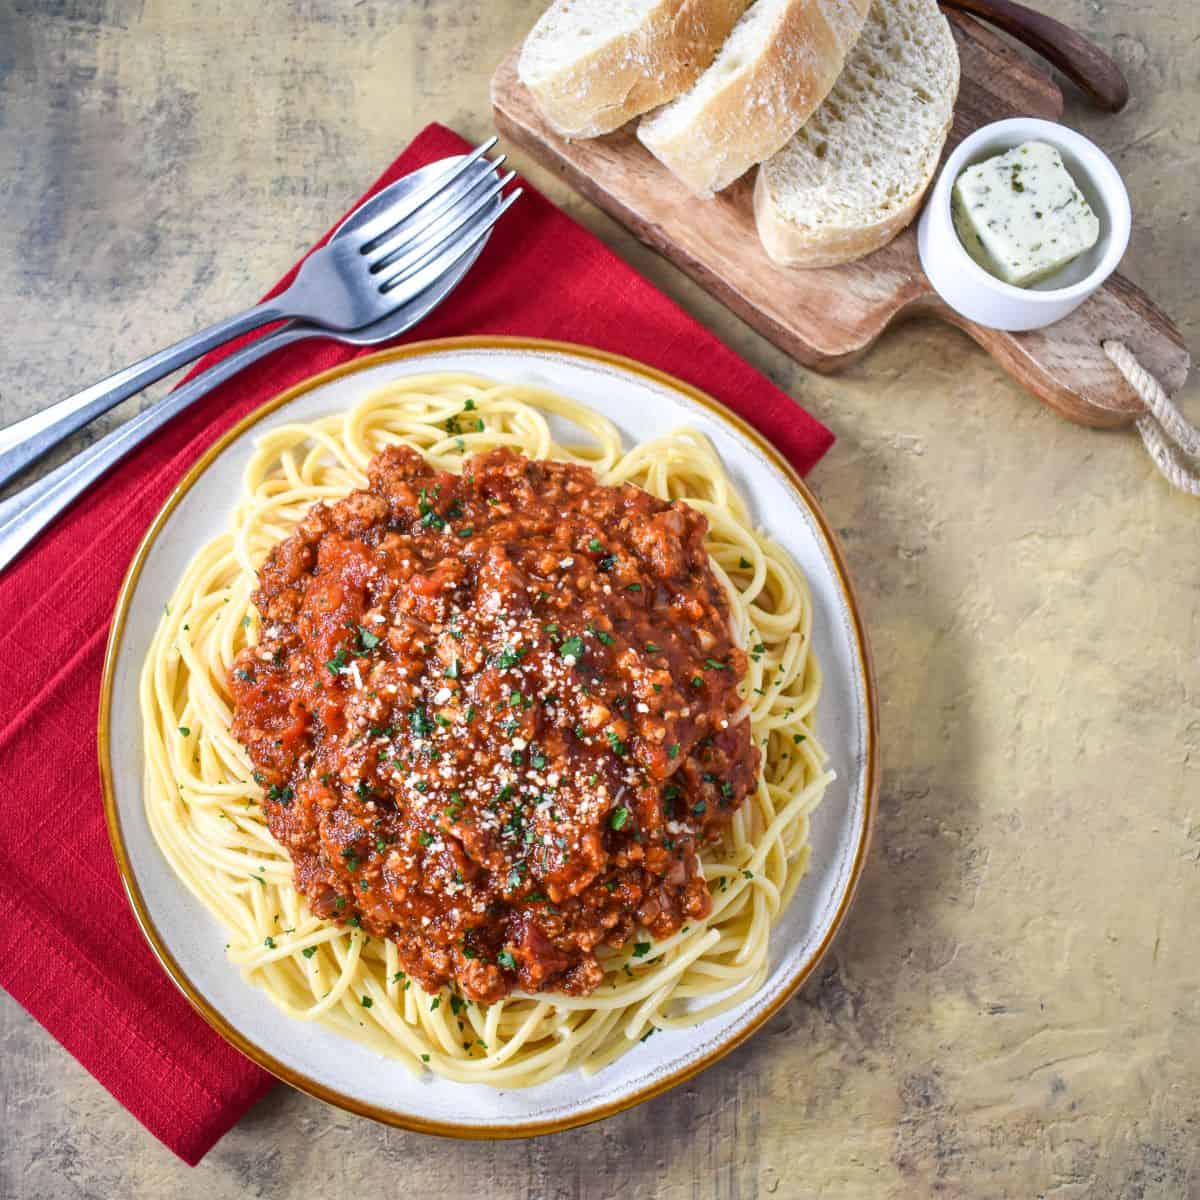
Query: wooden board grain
<point>828,317</point>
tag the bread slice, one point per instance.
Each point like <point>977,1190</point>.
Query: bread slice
<point>853,177</point>
<point>781,59</point>
<point>592,65</point>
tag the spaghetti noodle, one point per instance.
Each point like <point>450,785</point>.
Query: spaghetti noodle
<point>207,812</point>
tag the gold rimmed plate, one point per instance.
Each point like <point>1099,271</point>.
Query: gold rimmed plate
<point>189,942</point>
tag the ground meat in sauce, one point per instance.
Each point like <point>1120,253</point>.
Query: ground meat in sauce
<point>494,716</point>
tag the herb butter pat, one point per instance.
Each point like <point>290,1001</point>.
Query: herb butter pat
<point>1021,216</point>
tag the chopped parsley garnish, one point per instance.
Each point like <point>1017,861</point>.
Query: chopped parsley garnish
<point>269,942</point>
<point>618,746</point>
<point>281,795</point>
<point>699,807</point>
<point>429,517</point>
<point>619,818</point>
<point>337,664</point>
<point>185,731</point>
<point>651,648</point>
<point>466,531</point>
<point>595,545</point>
<point>419,722</point>
<point>744,563</point>
<point>366,1002</point>
<point>453,670</point>
<point>366,639</point>
<point>506,960</point>
<point>798,738</point>
<point>606,638</point>
<point>606,563</point>
<point>633,587</point>
<point>641,949</point>
<point>508,657</point>
<point>673,750</point>
<point>712,664</point>
<point>425,838</point>
<point>571,648</point>
<point>309,951</point>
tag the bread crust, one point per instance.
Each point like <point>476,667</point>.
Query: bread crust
<point>760,104</point>
<point>631,74</point>
<point>792,244</point>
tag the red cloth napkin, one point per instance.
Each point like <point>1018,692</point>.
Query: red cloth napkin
<point>70,951</point>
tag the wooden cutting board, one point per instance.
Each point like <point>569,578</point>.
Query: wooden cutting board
<point>828,317</point>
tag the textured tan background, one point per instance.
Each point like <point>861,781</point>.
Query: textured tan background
<point>1013,1008</point>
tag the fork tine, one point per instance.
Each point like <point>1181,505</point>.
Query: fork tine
<point>387,220</point>
<point>418,281</point>
<point>406,236</point>
<point>401,266</point>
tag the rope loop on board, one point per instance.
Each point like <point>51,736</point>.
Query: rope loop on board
<point>1168,435</point>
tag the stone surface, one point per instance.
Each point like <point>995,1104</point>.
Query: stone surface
<point>1013,1008</point>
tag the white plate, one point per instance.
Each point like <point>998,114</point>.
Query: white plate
<point>187,939</point>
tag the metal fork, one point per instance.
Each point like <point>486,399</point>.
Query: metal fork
<point>25,514</point>
<point>351,282</point>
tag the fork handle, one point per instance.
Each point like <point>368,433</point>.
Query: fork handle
<point>27,440</point>
<point>24,515</point>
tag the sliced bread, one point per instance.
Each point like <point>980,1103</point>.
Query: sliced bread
<point>854,175</point>
<point>781,59</point>
<point>592,65</point>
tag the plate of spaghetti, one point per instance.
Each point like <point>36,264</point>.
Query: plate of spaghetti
<point>488,735</point>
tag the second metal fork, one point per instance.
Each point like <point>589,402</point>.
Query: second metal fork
<point>347,284</point>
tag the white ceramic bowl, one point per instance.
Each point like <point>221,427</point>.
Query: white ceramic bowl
<point>974,293</point>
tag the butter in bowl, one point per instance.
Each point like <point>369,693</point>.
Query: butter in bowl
<point>1026,221</point>
<point>1021,216</point>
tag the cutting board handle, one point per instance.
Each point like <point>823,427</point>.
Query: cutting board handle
<point>1065,364</point>
<point>1088,67</point>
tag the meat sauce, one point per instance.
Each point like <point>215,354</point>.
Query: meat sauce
<point>495,715</point>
